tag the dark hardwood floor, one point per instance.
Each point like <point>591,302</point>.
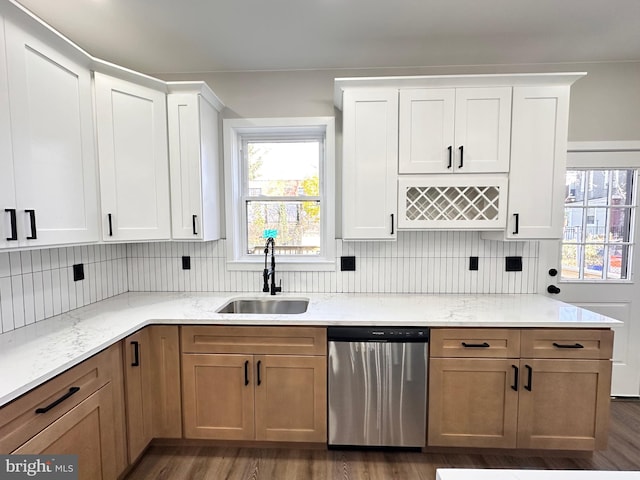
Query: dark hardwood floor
<point>194,463</point>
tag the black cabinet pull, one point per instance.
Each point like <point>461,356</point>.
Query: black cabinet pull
<point>560,345</point>
<point>461,148</point>
<point>32,222</point>
<point>14,229</point>
<point>71,391</point>
<point>258,377</point>
<point>529,377</point>
<point>246,373</point>
<point>110,225</point>
<point>516,230</point>
<point>475,345</point>
<point>392,230</point>
<point>136,354</point>
<point>450,148</point>
<point>193,222</point>
<point>515,378</point>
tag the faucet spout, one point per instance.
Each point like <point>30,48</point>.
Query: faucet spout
<point>270,272</point>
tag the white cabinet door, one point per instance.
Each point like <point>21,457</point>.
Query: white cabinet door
<point>445,130</point>
<point>52,140</point>
<point>370,159</point>
<point>8,235</point>
<point>426,130</point>
<point>133,159</point>
<point>194,166</point>
<point>482,129</point>
<point>538,162</point>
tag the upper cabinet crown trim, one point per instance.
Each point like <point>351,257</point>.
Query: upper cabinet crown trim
<point>197,87</point>
<point>426,81</point>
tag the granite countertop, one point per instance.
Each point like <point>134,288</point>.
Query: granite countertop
<point>35,353</point>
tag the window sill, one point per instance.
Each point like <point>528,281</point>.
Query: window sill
<point>283,265</point>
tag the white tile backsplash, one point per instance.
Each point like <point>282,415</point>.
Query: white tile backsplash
<point>38,284</point>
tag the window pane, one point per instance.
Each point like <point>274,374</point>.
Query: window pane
<point>573,228</point>
<point>575,187</point>
<point>297,224</point>
<point>597,187</point>
<point>283,168</point>
<point>570,265</point>
<point>618,260</point>
<point>593,261</point>
<point>619,225</point>
<point>596,220</point>
<point>621,183</point>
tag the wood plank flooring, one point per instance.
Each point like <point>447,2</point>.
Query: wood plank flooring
<point>195,463</point>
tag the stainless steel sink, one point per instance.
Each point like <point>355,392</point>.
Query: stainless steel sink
<point>271,306</point>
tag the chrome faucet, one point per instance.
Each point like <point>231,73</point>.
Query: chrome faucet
<point>270,272</point>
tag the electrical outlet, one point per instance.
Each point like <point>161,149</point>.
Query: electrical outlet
<point>186,263</point>
<point>473,263</point>
<point>512,264</point>
<point>348,264</point>
<point>78,272</point>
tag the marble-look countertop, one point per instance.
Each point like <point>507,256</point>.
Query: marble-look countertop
<point>35,353</point>
<point>508,474</point>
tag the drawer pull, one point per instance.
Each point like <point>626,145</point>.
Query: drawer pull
<point>560,345</point>
<point>515,378</point>
<point>529,377</point>
<point>259,379</point>
<point>71,391</point>
<point>475,345</point>
<point>136,354</point>
<point>246,373</point>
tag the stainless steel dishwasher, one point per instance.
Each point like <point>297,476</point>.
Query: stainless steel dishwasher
<point>377,386</point>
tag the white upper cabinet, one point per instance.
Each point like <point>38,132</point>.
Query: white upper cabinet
<point>133,159</point>
<point>370,163</point>
<point>193,114</point>
<point>463,130</point>
<point>538,153</point>
<point>48,182</point>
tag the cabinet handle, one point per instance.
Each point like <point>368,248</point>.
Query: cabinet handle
<point>32,222</point>
<point>258,377</point>
<point>450,148</point>
<point>515,378</point>
<point>71,391</point>
<point>517,225</point>
<point>136,354</point>
<point>193,222</point>
<point>14,230</point>
<point>392,230</point>
<point>110,225</point>
<point>560,345</point>
<point>475,345</point>
<point>461,148</point>
<point>529,377</point>
<point>246,373</point>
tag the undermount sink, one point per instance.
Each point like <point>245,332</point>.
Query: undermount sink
<point>271,306</point>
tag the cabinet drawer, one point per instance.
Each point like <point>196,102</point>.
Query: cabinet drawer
<point>475,342</point>
<point>19,420</point>
<point>568,343</point>
<point>272,340</point>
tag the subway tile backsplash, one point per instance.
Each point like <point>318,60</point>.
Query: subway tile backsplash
<point>39,284</point>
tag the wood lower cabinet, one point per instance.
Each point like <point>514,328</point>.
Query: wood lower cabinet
<point>559,403</point>
<point>88,431</point>
<point>81,411</point>
<point>152,387</point>
<point>471,402</point>
<point>262,396</point>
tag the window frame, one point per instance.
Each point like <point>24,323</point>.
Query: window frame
<point>235,132</point>
<point>606,155</point>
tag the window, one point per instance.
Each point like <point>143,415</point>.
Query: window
<point>598,224</point>
<point>280,184</point>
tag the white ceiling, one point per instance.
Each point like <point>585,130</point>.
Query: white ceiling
<point>175,36</point>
